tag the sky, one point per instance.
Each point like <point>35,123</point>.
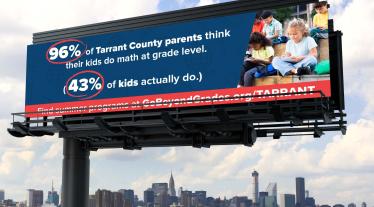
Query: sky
<point>338,169</point>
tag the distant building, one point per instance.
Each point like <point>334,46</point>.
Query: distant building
<point>128,197</point>
<point>186,198</point>
<point>158,188</point>
<point>35,198</point>
<point>2,195</point>
<point>149,198</point>
<point>310,202</point>
<point>363,204</point>
<point>91,201</point>
<point>338,205</point>
<point>53,197</point>
<point>261,199</point>
<point>351,205</point>
<point>272,190</point>
<point>104,198</point>
<point>271,201</point>
<point>118,200</point>
<point>300,192</point>
<point>255,187</point>
<point>200,198</point>
<point>287,200</point>
<point>172,186</point>
<point>161,199</point>
<point>240,201</point>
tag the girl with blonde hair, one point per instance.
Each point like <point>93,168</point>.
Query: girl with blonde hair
<point>301,51</point>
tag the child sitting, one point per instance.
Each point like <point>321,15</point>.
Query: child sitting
<point>301,51</point>
<point>262,55</point>
<point>320,21</point>
<point>273,29</point>
<point>258,24</point>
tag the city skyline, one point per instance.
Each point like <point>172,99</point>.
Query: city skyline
<point>299,198</point>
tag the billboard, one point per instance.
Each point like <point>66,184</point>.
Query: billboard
<point>227,59</point>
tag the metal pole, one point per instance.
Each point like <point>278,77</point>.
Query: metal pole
<point>75,174</point>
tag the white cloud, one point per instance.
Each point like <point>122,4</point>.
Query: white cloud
<point>354,21</point>
<point>12,161</point>
<point>207,2</point>
<point>170,156</point>
<point>353,151</point>
<point>12,93</point>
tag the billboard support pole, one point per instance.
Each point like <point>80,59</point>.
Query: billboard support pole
<point>75,174</point>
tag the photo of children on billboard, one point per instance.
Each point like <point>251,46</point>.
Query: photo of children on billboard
<point>286,46</point>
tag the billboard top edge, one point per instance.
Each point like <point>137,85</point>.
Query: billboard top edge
<point>164,17</point>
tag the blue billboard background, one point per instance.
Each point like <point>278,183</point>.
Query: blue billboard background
<point>216,67</point>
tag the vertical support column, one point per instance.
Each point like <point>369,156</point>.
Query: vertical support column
<point>75,174</point>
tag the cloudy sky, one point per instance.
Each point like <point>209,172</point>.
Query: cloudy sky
<point>338,169</point>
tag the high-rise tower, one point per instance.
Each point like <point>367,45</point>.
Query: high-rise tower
<point>255,187</point>
<point>172,186</point>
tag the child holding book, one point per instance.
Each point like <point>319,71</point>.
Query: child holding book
<point>262,55</point>
<point>301,51</point>
<point>320,21</point>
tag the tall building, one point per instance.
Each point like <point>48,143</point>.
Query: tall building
<point>270,201</point>
<point>186,198</point>
<point>300,192</point>
<point>91,201</point>
<point>161,199</point>
<point>128,197</point>
<point>287,200</point>
<point>53,197</point>
<point>240,201</point>
<point>35,198</point>
<point>149,198</point>
<point>261,199</point>
<point>272,190</point>
<point>255,187</point>
<point>104,198</point>
<point>310,202</point>
<point>2,195</point>
<point>158,188</point>
<point>118,200</point>
<point>200,197</point>
<point>172,186</point>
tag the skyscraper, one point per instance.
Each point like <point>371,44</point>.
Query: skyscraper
<point>261,199</point>
<point>91,201</point>
<point>104,198</point>
<point>35,198</point>
<point>118,199</point>
<point>287,200</point>
<point>255,187</point>
<point>186,198</point>
<point>158,188</point>
<point>149,198</point>
<point>53,197</point>
<point>2,195</point>
<point>128,197</point>
<point>172,186</point>
<point>272,190</point>
<point>300,192</point>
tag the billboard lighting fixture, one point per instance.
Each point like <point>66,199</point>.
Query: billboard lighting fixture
<point>317,133</point>
<point>277,135</point>
<point>16,133</point>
